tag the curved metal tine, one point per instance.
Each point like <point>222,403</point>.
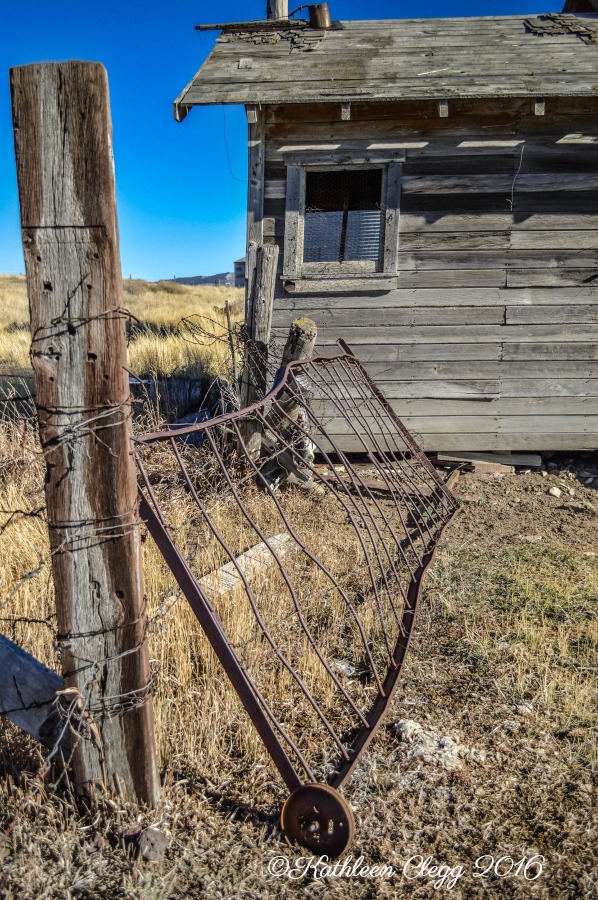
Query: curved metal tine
<point>247,691</point>
<point>380,419</point>
<point>149,489</point>
<point>308,553</point>
<point>333,397</point>
<point>338,496</point>
<point>405,434</point>
<point>248,591</point>
<point>305,464</point>
<point>436,483</point>
<point>433,482</point>
<point>330,396</point>
<point>281,657</point>
<point>359,510</point>
<point>358,412</point>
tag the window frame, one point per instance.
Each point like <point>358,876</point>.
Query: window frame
<point>305,277</point>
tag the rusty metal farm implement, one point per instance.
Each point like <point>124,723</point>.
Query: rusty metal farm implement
<point>314,567</point>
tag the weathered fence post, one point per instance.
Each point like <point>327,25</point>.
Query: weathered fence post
<point>301,340</point>
<point>63,147</point>
<point>261,280</point>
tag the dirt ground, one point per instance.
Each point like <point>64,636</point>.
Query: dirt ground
<point>488,756</point>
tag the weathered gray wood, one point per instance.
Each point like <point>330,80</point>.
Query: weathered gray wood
<point>489,441</point>
<point>394,317</point>
<point>295,205</point>
<point>435,184</point>
<point>413,222</point>
<point>255,178</point>
<point>490,389</point>
<point>393,60</point>
<point>543,315</point>
<point>499,240</point>
<point>261,282</point>
<point>63,145</point>
<point>528,460</point>
<point>517,379</point>
<point>434,298</point>
<point>385,352</point>
<point>300,341</point>
<point>29,698</point>
<point>481,407</point>
<point>339,282</point>
<point>473,424</point>
<point>551,277</point>
<point>461,334</point>
<point>495,259</point>
<point>392,209</point>
<point>254,562</point>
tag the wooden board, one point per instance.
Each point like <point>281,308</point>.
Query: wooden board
<point>29,696</point>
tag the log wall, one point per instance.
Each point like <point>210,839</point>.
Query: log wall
<point>489,340</point>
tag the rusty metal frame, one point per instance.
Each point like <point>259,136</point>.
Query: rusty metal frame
<point>388,449</point>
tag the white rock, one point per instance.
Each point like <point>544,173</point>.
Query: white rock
<point>555,492</point>
<point>427,745</point>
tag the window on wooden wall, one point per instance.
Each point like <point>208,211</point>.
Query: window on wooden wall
<point>343,216</point>
<point>341,224</point>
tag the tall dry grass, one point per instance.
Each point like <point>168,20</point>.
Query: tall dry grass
<point>160,346</point>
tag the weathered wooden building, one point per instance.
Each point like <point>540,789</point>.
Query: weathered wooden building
<point>433,188</point>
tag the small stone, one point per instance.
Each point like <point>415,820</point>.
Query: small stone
<point>544,473</point>
<point>97,844</point>
<point>131,840</point>
<point>571,492</point>
<point>153,843</point>
<point>555,492</point>
<point>524,710</point>
<point>532,538</point>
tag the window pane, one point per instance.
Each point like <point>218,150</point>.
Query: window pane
<point>342,216</point>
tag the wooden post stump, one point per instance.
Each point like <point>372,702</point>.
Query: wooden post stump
<point>63,146</point>
<point>262,262</point>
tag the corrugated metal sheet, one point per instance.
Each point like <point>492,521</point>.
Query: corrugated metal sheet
<point>507,56</point>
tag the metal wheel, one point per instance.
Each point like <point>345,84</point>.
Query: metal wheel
<point>319,818</point>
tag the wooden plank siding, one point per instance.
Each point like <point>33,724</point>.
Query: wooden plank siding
<point>489,339</point>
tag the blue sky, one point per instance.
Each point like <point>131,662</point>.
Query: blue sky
<point>181,204</point>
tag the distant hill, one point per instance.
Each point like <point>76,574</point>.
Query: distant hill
<point>226,279</point>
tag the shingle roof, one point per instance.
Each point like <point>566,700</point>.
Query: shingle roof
<point>506,56</point>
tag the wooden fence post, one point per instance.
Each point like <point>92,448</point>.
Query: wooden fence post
<point>63,147</point>
<point>261,281</point>
<point>301,340</point>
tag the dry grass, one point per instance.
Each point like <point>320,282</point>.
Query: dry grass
<point>159,346</point>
